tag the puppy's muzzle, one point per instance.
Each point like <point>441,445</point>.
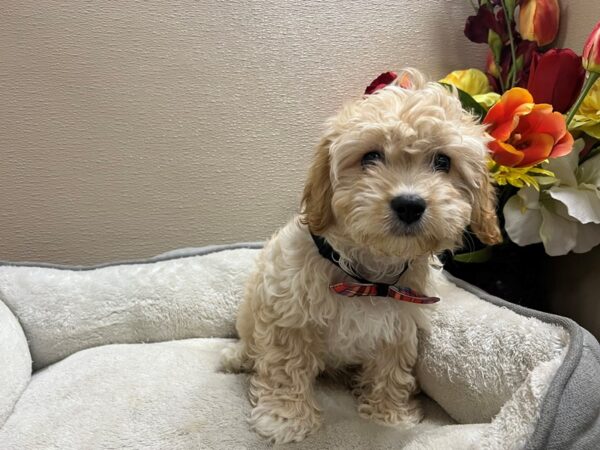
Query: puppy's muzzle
<point>408,207</point>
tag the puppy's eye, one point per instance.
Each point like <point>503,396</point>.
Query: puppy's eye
<point>441,162</point>
<point>371,158</point>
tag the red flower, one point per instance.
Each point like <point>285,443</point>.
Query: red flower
<point>380,82</point>
<point>556,77</point>
<point>591,51</point>
<point>478,26</point>
<point>538,20</point>
<point>525,133</point>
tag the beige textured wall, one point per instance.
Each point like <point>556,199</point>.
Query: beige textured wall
<point>128,128</point>
<point>578,17</point>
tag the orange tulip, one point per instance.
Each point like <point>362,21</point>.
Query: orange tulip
<point>591,51</point>
<point>525,133</point>
<point>538,20</point>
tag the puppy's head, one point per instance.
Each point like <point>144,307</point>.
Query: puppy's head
<point>402,172</point>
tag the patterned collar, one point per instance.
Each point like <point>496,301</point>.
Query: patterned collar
<point>365,287</point>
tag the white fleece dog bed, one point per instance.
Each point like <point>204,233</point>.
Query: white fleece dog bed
<point>126,356</point>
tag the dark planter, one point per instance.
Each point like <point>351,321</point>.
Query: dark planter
<point>513,273</point>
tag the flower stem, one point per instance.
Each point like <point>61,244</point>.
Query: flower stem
<point>513,53</point>
<point>502,88</point>
<point>589,82</point>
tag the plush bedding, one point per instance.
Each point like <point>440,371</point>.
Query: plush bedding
<point>126,356</point>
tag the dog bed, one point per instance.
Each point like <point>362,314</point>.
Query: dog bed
<point>127,356</point>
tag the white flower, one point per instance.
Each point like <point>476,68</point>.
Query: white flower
<point>565,216</point>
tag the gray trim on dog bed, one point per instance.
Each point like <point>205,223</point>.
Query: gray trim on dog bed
<point>570,412</point>
<point>174,254</point>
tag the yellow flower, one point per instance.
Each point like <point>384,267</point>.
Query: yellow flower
<point>472,81</point>
<point>475,83</point>
<point>518,176</point>
<point>487,100</point>
<point>587,118</point>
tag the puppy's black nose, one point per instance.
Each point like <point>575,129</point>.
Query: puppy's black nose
<point>409,208</point>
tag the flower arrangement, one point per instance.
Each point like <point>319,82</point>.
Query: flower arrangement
<point>541,106</point>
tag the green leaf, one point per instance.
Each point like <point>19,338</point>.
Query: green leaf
<point>544,181</point>
<point>510,8</point>
<point>496,45</point>
<point>478,256</point>
<point>519,63</point>
<point>468,103</point>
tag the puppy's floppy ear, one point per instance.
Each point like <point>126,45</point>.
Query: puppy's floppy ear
<point>484,221</point>
<point>316,200</point>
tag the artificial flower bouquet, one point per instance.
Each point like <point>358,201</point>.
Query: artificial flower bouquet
<point>542,108</point>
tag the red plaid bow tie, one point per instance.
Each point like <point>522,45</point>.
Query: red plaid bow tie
<point>381,290</point>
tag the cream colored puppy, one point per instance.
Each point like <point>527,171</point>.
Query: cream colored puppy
<point>396,178</point>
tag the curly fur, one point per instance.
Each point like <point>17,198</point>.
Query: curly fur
<point>292,327</point>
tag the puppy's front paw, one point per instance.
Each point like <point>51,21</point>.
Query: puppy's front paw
<point>386,412</point>
<point>279,429</point>
<point>233,358</point>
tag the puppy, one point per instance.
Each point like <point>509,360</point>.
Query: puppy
<point>396,178</point>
